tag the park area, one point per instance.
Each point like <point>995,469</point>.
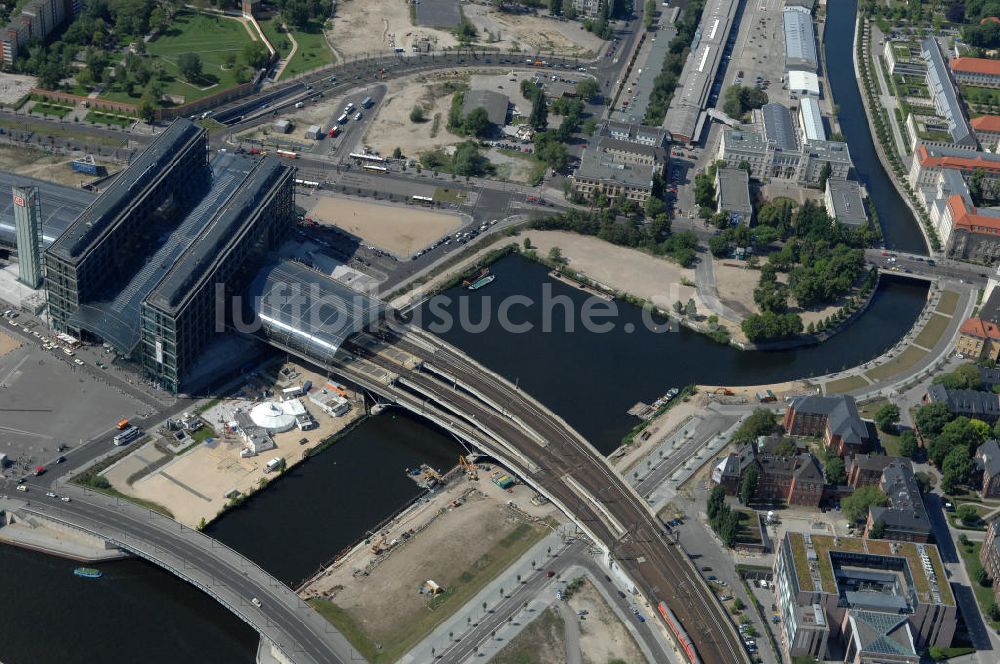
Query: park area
<point>400,230</point>
<point>215,39</point>
<point>311,50</point>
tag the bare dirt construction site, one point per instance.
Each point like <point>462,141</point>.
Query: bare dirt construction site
<point>460,540</point>
<point>531,34</point>
<point>399,229</point>
<point>369,26</point>
<point>45,166</point>
<point>392,127</point>
<point>657,280</point>
<point>603,637</point>
<point>8,343</point>
<point>192,482</point>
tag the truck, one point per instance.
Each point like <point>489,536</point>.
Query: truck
<point>122,424</point>
<point>274,464</point>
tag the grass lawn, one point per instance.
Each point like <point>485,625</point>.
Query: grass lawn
<point>211,37</point>
<point>848,384</point>
<point>44,108</point>
<point>97,117</point>
<point>932,332</point>
<point>441,607</point>
<point>313,51</point>
<point>449,195</point>
<point>970,556</point>
<point>544,634</point>
<point>948,302</point>
<point>908,358</point>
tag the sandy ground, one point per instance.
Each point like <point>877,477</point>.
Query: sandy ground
<point>193,486</point>
<point>399,229</point>
<point>387,597</point>
<point>543,640</point>
<point>531,34</point>
<point>655,279</point>
<point>365,26</point>
<point>13,87</point>
<point>45,166</point>
<point>602,636</point>
<point>392,127</point>
<point>8,343</point>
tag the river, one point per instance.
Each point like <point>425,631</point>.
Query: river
<point>899,228</point>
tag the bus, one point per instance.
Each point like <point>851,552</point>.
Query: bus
<point>370,158</point>
<point>366,102</point>
<point>342,119</point>
<point>307,183</point>
<point>126,436</point>
<point>375,169</point>
<point>423,200</point>
<point>287,154</point>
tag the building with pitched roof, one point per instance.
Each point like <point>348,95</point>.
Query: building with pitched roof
<point>856,594</point>
<point>989,555</point>
<point>905,519</point>
<point>811,120</point>
<point>834,418</point>
<point>987,129</point>
<point>622,161</point>
<point>981,72</point>
<point>866,469</point>
<point>983,406</point>
<point>944,95</point>
<point>988,463</point>
<point>795,479</point>
<point>978,339</point>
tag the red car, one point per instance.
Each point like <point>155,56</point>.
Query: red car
<point>39,470</point>
<point>550,574</point>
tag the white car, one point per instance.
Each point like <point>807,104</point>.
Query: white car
<point>50,494</point>
<point>255,602</point>
<point>65,499</point>
<point>77,361</point>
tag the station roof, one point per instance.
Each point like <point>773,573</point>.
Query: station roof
<point>307,311</point>
<point>115,317</point>
<point>800,41</point>
<point>60,206</point>
<point>97,220</point>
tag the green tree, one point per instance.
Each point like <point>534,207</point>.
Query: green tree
<point>982,577</point>
<point>147,110</point>
<point>555,255</point>
<point>417,114</point>
<point>539,116</point>
<point>189,64</point>
<point>824,174</point>
<point>690,309</point>
<point>835,472</point>
<point>748,484</point>
<point>887,417</point>
<point>965,377</point>
<point>932,418</point>
<point>855,506</point>
<point>256,55</point>
<point>587,88</point>
<point>716,500</point>
<point>760,422</point>
<point>967,514</point>
<point>908,446</point>
<point>477,122</point>
<point>878,529</point>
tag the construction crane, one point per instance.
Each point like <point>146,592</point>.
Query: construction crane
<point>470,469</point>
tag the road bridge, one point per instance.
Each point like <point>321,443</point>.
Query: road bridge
<point>282,619</point>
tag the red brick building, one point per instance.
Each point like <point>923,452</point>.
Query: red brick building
<point>835,419</point>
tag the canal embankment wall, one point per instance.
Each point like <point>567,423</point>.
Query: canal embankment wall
<point>37,533</point>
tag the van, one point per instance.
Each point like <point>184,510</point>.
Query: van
<point>299,104</point>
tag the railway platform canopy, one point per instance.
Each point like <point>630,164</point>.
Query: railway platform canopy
<point>301,309</point>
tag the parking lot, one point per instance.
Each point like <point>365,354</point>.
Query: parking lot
<point>48,400</point>
<point>760,51</point>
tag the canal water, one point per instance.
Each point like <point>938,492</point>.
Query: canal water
<point>899,228</point>
<point>135,613</point>
<point>592,379</point>
<point>318,508</point>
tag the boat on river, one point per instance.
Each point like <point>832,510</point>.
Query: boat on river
<point>88,572</point>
